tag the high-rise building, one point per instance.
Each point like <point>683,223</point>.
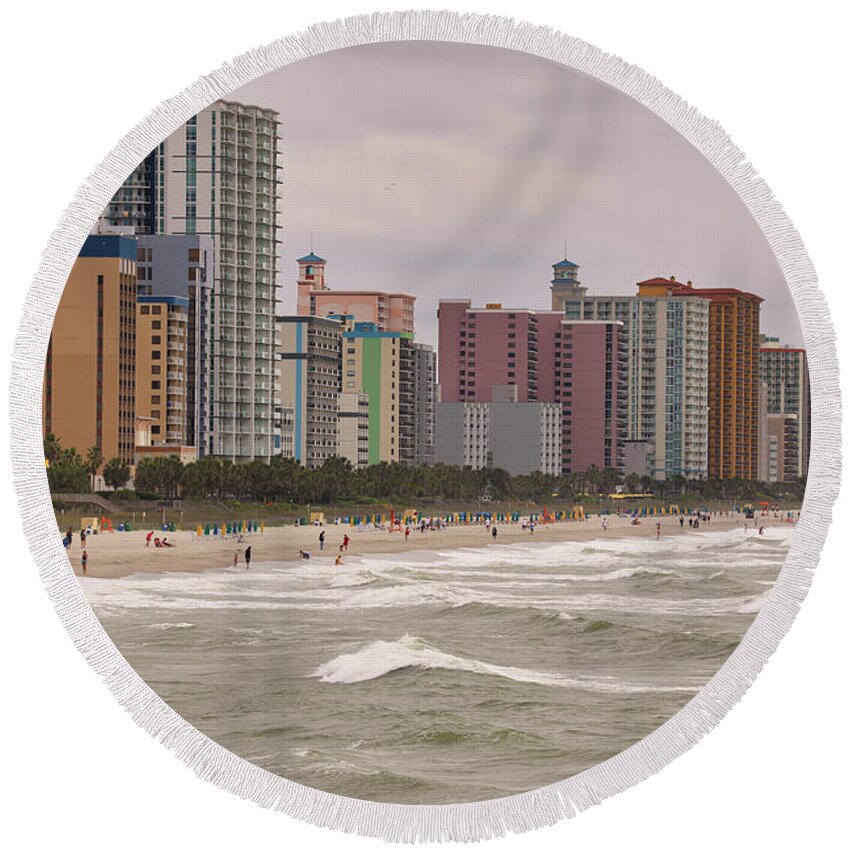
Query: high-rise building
<point>183,267</point>
<point>284,431</point>
<point>381,364</point>
<point>308,350</point>
<point>388,311</point>
<point>592,384</point>
<point>132,207</point>
<point>485,348</point>
<point>519,437</point>
<point>425,400</point>
<point>733,379</point>
<point>784,375</point>
<point>89,377</point>
<point>354,428</point>
<point>162,368</point>
<point>218,176</point>
<point>666,374</point>
<point>545,358</point>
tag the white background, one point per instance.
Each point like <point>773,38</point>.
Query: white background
<point>78,76</point>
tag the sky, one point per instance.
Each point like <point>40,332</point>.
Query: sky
<point>463,171</point>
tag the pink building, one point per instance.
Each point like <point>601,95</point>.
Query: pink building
<point>390,311</point>
<point>592,370</point>
<point>577,364</point>
<point>484,348</point>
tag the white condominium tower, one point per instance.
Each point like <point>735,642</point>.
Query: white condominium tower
<point>218,176</point>
<point>667,372</point>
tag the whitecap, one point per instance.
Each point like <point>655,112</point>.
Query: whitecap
<point>383,657</point>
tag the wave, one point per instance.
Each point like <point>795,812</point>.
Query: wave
<point>164,627</point>
<point>384,657</point>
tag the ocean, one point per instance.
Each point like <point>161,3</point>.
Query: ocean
<point>444,676</point>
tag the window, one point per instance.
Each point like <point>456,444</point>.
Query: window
<point>156,340</point>
<point>156,370</point>
<point>145,310</point>
<point>154,429</point>
<point>156,355</point>
<point>193,273</point>
<point>155,399</point>
<point>194,255</point>
<point>155,414</point>
<point>155,385</point>
<point>156,310</point>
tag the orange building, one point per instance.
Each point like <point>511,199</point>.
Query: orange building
<point>89,376</point>
<point>162,367</point>
<point>390,311</point>
<point>733,378</point>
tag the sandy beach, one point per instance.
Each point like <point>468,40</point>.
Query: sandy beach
<point>117,554</point>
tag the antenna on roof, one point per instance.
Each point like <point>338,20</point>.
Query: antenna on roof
<point>311,241</point>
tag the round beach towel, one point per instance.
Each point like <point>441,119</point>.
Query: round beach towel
<point>414,420</point>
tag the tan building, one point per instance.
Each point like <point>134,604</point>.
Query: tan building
<point>89,384</point>
<point>308,350</point>
<point>162,358</point>
<point>354,428</point>
<point>185,454</point>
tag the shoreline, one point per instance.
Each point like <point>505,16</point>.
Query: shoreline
<point>121,554</point>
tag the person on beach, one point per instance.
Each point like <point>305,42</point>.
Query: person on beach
<point>657,530</point>
<point>681,521</point>
<point>322,540</point>
<point>82,538</point>
<point>84,561</point>
<point>248,558</point>
<point>345,542</point>
<point>605,523</point>
<point>338,561</point>
<point>148,539</point>
<point>494,532</point>
<point>304,555</point>
<point>406,533</point>
<point>235,560</point>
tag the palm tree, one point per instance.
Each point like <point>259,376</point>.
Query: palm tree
<point>52,448</point>
<point>94,460</point>
<point>116,473</point>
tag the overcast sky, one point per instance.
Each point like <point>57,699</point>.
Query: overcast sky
<point>448,170</point>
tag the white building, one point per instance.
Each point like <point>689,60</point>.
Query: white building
<point>218,176</point>
<point>667,380</point>
<point>519,437</point>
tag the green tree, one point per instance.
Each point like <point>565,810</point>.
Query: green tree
<point>116,473</point>
<point>94,460</point>
<point>52,448</point>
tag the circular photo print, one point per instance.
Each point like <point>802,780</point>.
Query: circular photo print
<point>426,422</point>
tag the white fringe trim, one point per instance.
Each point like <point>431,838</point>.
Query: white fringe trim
<point>410,823</point>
